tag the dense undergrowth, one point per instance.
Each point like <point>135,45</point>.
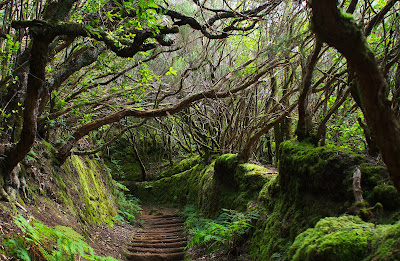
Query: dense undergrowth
<point>222,233</point>
<point>41,242</point>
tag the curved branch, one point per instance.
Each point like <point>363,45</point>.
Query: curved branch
<point>89,152</point>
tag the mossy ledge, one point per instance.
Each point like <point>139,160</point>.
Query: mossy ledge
<point>201,186</point>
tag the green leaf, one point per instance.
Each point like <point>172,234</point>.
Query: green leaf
<point>171,71</point>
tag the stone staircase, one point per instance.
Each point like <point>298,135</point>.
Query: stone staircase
<point>161,238</point>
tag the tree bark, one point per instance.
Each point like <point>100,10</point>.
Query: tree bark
<point>347,37</point>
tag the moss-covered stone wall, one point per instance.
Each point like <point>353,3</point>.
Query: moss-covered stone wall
<point>205,186</point>
<point>87,188</point>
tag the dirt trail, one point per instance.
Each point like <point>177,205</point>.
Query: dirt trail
<point>160,239</point>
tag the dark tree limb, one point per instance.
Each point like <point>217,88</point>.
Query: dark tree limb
<point>379,17</point>
<point>38,62</point>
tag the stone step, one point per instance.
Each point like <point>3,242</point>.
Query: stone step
<point>155,257</point>
<point>156,250</point>
<point>163,230</point>
<point>166,224</point>
<point>159,235</point>
<point>159,240</point>
<point>158,244</point>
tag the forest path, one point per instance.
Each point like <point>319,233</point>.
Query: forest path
<point>161,238</point>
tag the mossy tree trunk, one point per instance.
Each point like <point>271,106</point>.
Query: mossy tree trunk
<point>38,62</point>
<point>345,35</point>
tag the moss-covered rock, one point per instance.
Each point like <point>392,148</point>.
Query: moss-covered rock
<point>313,183</point>
<point>347,238</point>
<point>320,170</point>
<point>387,195</point>
<point>386,243</point>
<point>344,238</point>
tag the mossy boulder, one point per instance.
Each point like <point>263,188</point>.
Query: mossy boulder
<point>321,171</point>
<point>225,167</point>
<point>387,195</point>
<point>345,238</point>
<point>386,243</point>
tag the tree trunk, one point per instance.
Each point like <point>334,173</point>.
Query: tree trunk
<point>142,167</point>
<point>304,125</point>
<point>38,62</point>
<point>348,38</point>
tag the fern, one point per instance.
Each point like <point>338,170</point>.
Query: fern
<point>41,242</point>
<point>221,233</point>
<point>129,206</point>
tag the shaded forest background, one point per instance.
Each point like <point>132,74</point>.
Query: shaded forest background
<point>171,79</point>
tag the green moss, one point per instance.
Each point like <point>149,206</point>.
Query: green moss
<point>182,166</point>
<point>347,238</point>
<point>346,16</point>
<point>48,146</point>
<point>321,170</point>
<point>387,195</point>
<point>63,190</point>
<point>313,183</point>
<point>225,167</point>
<point>89,191</point>
<point>386,243</point>
<point>333,239</point>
